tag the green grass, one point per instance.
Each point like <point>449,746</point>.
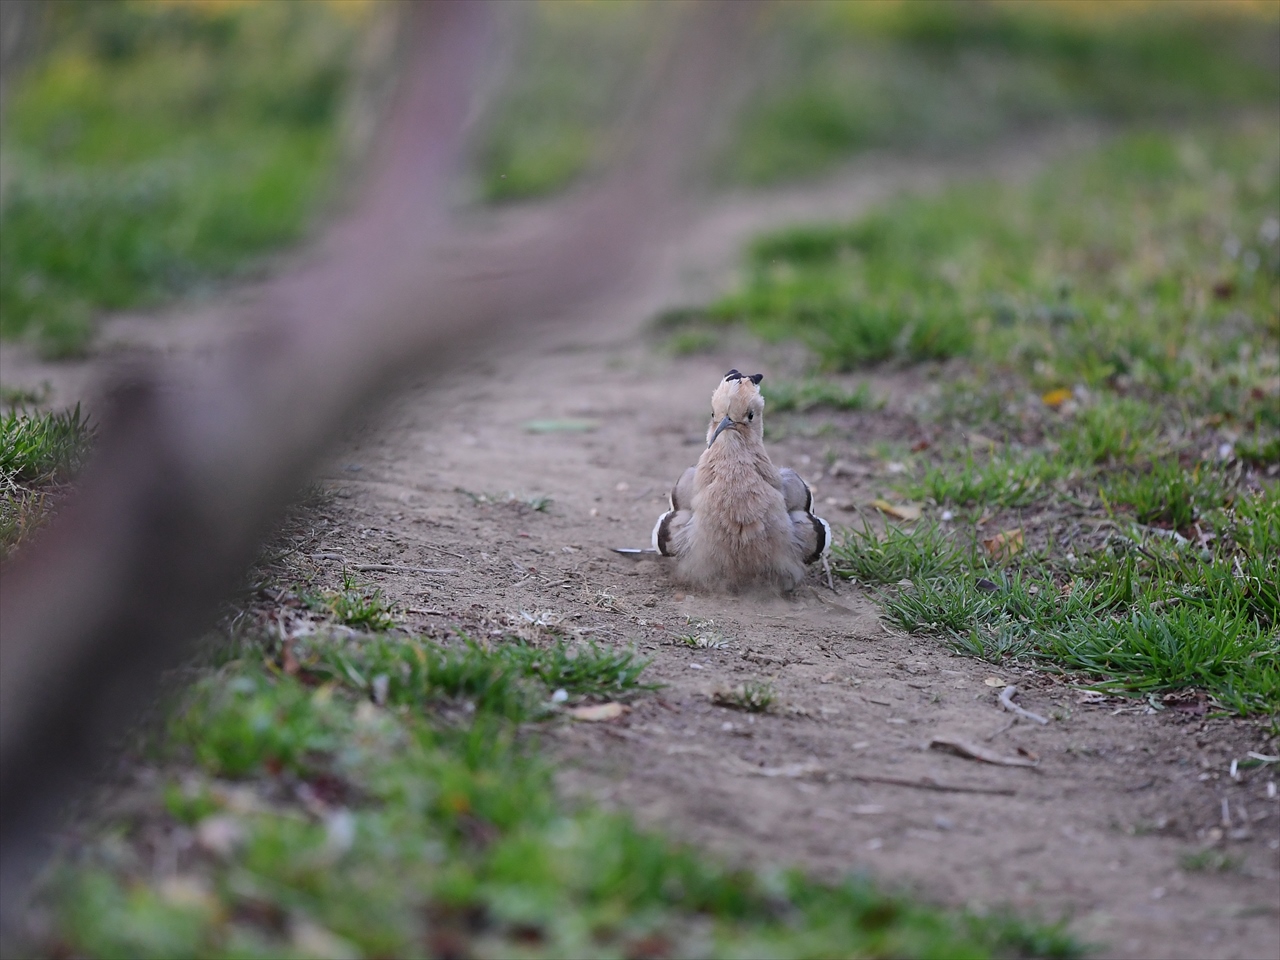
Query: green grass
<point>875,558</point>
<point>352,605</point>
<point>155,147</point>
<point>986,481</point>
<point>42,447</point>
<point>938,75</point>
<point>39,453</point>
<point>1111,431</point>
<point>337,815</point>
<point>1108,434</point>
<point>537,502</point>
<point>1072,279</point>
<point>507,680</point>
<point>830,80</point>
<point>1169,495</point>
<point>1143,612</point>
<point>805,395</point>
<point>1209,861</point>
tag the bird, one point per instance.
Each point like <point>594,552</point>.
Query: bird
<point>736,520</point>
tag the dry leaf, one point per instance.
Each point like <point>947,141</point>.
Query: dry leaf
<point>980,440</point>
<point>1056,398</point>
<point>1004,545</point>
<point>598,712</point>
<point>903,511</point>
<point>973,751</point>
<point>993,682</point>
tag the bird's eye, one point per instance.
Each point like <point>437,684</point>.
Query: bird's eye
<point>751,415</point>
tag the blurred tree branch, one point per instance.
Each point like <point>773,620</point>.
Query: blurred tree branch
<point>196,463</point>
<point>20,28</point>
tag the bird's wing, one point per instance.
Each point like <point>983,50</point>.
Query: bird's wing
<point>812,535</point>
<point>682,492</point>
<point>795,491</point>
<point>670,522</point>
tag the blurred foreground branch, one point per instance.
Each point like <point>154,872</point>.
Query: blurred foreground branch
<point>196,463</point>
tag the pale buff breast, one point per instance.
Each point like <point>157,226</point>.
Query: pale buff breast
<point>740,533</point>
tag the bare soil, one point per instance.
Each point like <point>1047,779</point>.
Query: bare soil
<point>838,775</point>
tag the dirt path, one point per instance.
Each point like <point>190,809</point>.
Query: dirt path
<point>1096,830</point>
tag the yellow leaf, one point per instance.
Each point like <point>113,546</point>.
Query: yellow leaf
<point>903,511</point>
<point>1004,545</point>
<point>1056,398</point>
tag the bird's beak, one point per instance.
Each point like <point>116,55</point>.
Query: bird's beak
<point>726,422</point>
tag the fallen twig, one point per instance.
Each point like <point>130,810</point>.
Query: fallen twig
<point>812,769</point>
<point>1006,701</point>
<point>396,568</point>
<point>991,736</point>
<point>928,783</point>
<point>974,751</point>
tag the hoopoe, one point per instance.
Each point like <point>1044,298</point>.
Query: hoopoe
<point>736,520</point>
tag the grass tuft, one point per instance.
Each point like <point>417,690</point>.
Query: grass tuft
<point>1232,657</point>
<point>42,448</point>
<point>512,680</point>
<point>1169,495</point>
<point>38,453</point>
<point>353,605</point>
<point>752,696</point>
<point>538,503</point>
<point>895,554</point>
<point>1209,861</point>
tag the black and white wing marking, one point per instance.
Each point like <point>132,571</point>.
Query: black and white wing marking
<point>822,535</point>
<point>813,533</point>
<point>681,498</point>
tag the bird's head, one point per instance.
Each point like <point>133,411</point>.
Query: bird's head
<point>737,406</point>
